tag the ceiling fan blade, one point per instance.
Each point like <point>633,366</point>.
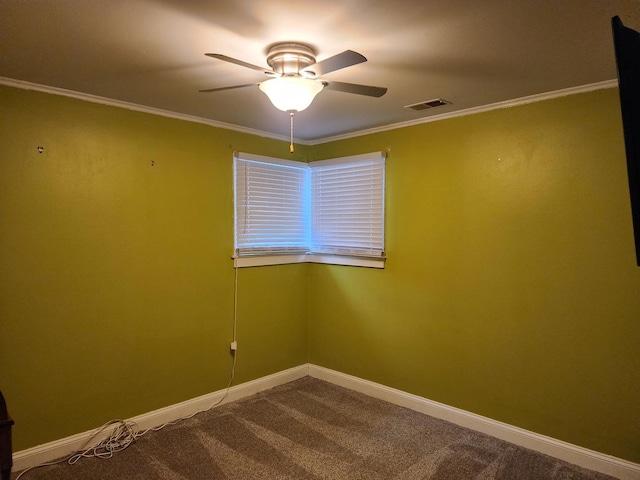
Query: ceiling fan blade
<point>331,64</point>
<point>241,63</point>
<point>227,88</point>
<point>355,88</point>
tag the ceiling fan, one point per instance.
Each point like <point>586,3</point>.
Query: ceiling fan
<point>295,76</point>
<point>294,73</point>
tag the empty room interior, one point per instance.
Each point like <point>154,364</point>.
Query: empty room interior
<point>505,294</point>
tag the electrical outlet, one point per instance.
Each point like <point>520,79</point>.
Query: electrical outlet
<point>234,346</point>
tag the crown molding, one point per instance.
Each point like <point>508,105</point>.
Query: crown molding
<point>260,133</point>
<point>10,82</point>
<point>471,111</point>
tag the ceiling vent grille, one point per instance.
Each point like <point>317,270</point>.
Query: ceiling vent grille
<point>436,102</point>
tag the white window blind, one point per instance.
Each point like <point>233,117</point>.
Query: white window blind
<point>347,198</point>
<point>330,207</point>
<point>270,206</point>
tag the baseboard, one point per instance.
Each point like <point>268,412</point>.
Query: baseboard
<point>622,469</point>
<point>66,446</point>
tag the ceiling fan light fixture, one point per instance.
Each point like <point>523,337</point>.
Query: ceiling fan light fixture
<point>291,93</point>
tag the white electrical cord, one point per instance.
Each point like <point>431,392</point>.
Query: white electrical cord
<point>126,432</point>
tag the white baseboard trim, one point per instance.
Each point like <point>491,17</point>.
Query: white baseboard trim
<point>66,446</point>
<point>574,454</point>
<point>622,469</point>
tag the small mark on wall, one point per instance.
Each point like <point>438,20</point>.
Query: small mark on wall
<point>40,149</point>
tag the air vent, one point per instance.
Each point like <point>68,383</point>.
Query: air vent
<point>436,102</point>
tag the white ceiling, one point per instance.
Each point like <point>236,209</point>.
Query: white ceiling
<point>469,52</point>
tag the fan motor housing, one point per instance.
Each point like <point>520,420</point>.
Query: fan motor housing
<point>290,58</point>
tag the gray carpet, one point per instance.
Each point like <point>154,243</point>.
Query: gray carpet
<point>310,429</point>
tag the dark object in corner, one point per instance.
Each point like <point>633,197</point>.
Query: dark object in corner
<point>627,49</point>
<point>5,440</point>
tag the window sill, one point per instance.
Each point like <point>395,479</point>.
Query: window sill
<point>264,260</point>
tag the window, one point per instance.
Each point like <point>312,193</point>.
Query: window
<point>347,206</point>
<point>269,202</point>
<point>331,211</point>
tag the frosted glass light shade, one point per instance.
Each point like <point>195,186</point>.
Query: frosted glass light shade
<point>291,93</point>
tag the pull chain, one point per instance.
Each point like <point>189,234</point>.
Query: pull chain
<point>291,144</point>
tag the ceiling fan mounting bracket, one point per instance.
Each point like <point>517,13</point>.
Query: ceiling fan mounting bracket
<point>291,58</point>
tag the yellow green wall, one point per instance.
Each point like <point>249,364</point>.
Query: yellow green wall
<point>510,291</point>
<point>116,279</point>
<point>511,288</point>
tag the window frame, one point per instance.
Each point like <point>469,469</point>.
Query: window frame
<point>283,258</point>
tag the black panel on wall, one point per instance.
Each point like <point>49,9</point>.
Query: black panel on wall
<point>627,50</point>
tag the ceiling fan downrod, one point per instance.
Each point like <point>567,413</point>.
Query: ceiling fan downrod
<point>291,143</point>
